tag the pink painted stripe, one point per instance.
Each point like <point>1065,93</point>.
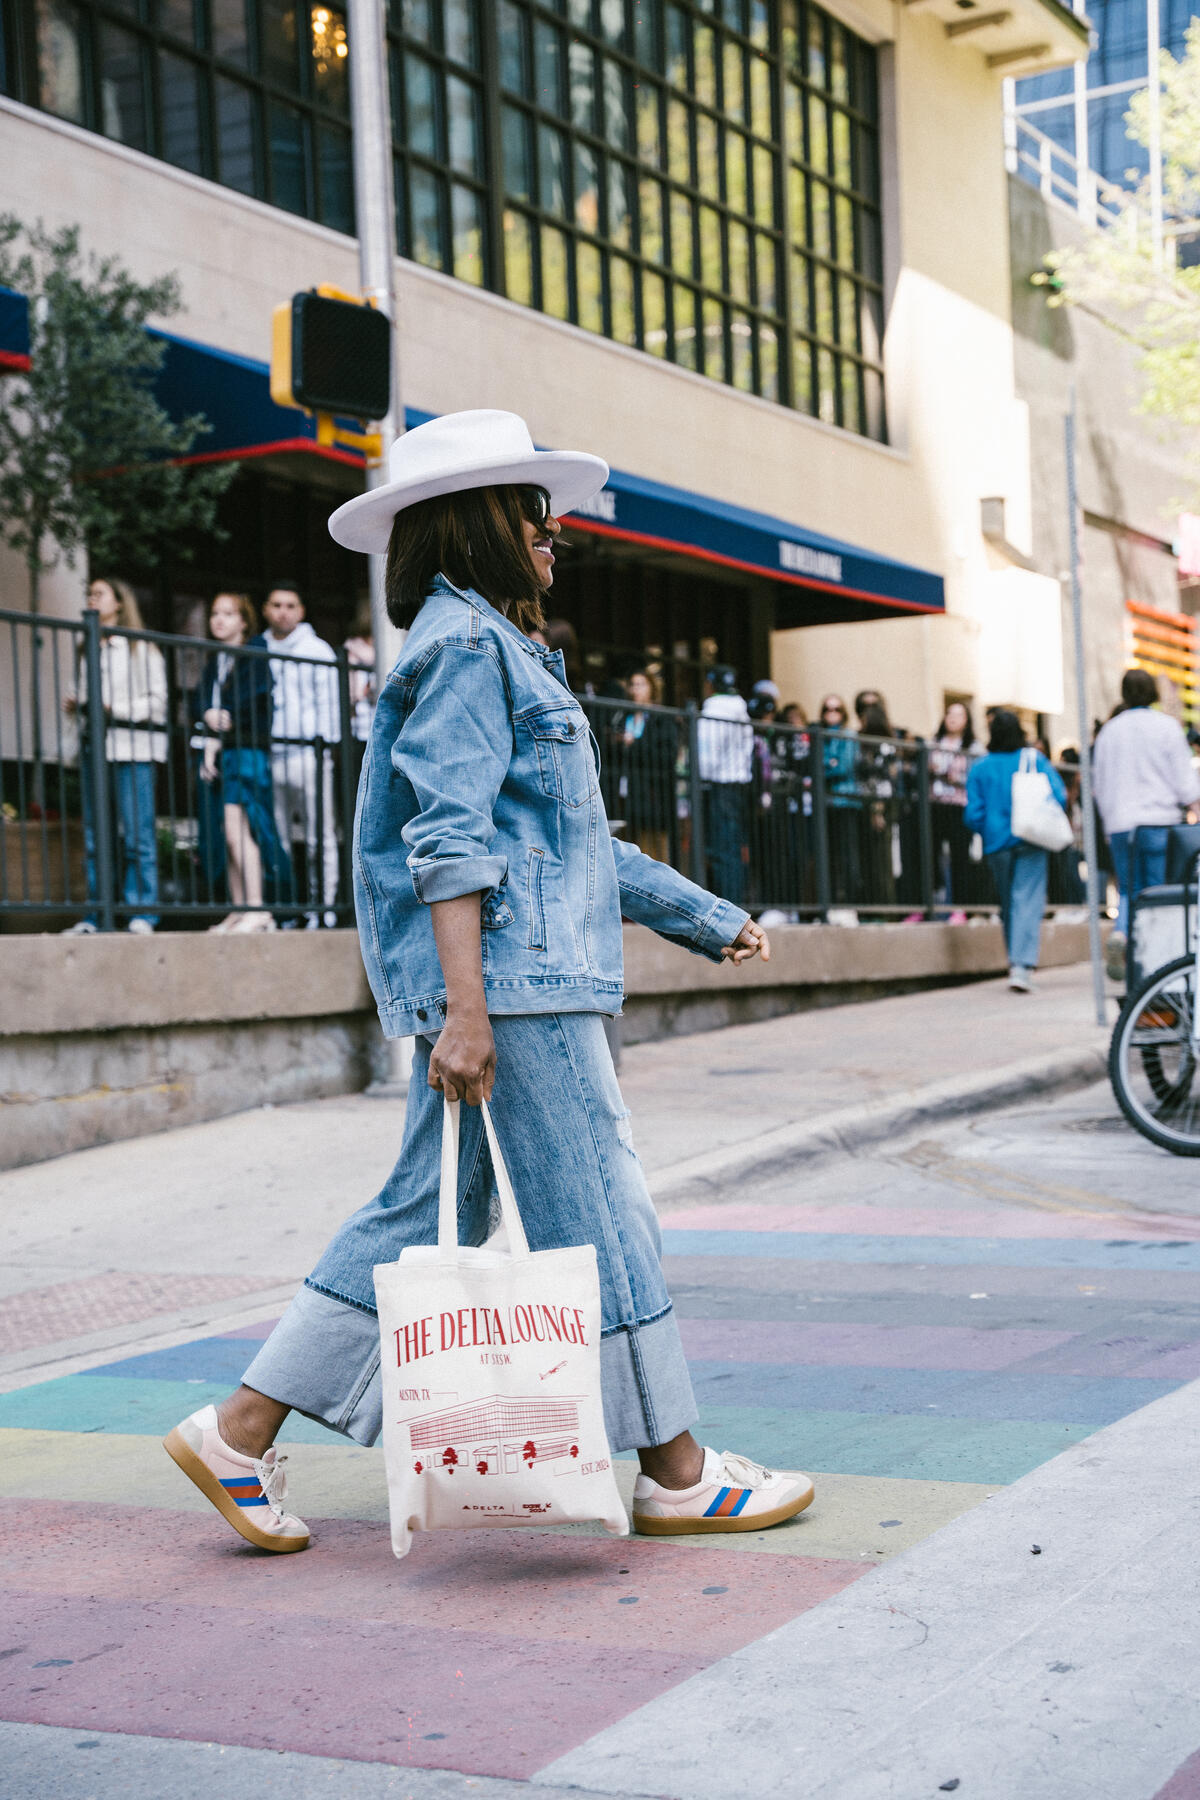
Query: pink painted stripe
<point>259,1332</point>
<point>864,1346</point>
<point>505,1584</point>
<point>900,1221</point>
<point>361,1689</point>
<point>1184,1783</point>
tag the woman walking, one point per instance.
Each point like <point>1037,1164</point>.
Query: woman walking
<point>489,897</point>
<point>234,799</point>
<point>133,682</point>
<point>1018,869</point>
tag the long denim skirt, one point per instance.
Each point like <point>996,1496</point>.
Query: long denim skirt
<point>566,1137</point>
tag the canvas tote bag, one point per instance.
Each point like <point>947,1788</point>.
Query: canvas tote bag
<point>491,1376</point>
<point>1037,818</point>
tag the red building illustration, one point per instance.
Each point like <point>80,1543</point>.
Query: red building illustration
<point>497,1435</point>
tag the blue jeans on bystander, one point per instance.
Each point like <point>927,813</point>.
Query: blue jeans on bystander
<point>132,791</point>
<point>1019,872</point>
<point>1140,860</point>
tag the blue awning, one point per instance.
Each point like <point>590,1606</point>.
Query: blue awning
<point>14,330</point>
<point>670,518</point>
<point>842,580</point>
<point>234,394</point>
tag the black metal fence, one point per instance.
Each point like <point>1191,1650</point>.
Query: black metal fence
<point>172,780</point>
<point>150,779</point>
<point>801,820</point>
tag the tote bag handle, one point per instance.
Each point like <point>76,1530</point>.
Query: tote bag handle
<point>448,1196</point>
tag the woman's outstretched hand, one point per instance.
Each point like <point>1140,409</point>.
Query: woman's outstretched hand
<point>462,1064</point>
<point>750,941</point>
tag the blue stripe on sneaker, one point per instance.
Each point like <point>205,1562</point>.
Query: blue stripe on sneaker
<point>735,1510</point>
<point>717,1503</point>
<point>259,1500</point>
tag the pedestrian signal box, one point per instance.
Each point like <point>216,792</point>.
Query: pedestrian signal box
<point>331,354</point>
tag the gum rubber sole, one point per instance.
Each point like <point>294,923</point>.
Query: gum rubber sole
<point>680,1527</point>
<point>182,1454</point>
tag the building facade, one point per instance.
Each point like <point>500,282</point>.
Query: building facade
<point>754,254</point>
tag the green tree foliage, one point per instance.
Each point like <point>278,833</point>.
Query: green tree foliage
<point>1117,271</point>
<point>86,451</point>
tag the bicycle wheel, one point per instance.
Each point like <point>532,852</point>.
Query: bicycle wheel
<point>1152,1059</point>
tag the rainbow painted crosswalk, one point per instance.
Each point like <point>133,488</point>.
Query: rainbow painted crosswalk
<point>912,1372</point>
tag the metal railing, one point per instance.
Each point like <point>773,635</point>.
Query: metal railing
<point>801,820</point>
<point>171,780</point>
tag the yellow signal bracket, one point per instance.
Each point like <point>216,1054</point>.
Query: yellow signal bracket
<point>330,433</point>
<point>328,292</point>
<point>281,356</point>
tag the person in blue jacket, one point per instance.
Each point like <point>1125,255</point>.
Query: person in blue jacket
<point>490,894</point>
<point>1019,870</point>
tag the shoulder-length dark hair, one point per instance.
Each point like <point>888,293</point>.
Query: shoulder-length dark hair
<point>968,731</point>
<point>475,539</point>
<point>1007,732</point>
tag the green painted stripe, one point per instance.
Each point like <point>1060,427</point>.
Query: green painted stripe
<point>115,1403</point>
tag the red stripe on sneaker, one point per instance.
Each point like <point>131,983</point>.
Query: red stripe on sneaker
<point>735,1498</point>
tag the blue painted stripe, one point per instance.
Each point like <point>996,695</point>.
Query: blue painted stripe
<point>717,1503</point>
<point>1013,1253</point>
<point>742,1499</point>
<point>1033,1395</point>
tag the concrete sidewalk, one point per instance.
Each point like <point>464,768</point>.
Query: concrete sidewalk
<point>254,1197</point>
<point>927,1326</point>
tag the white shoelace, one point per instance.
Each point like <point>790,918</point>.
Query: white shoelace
<point>274,1483</point>
<point>742,1471</point>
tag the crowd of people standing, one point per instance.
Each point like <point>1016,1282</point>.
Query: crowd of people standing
<point>262,732</point>
<point>265,722</point>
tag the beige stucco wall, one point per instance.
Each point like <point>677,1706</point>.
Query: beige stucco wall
<point>959,432</point>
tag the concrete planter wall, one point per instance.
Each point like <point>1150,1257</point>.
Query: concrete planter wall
<point>109,1037</point>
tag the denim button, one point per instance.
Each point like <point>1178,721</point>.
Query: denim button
<point>421,1013</point>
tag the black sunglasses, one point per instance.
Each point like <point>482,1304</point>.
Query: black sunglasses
<point>535,504</point>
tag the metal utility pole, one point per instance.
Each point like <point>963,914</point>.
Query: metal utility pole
<point>1090,846</point>
<point>375,211</point>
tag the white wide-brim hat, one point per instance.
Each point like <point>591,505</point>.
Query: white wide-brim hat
<point>459,451</point>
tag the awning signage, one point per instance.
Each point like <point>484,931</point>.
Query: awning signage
<point>700,525</point>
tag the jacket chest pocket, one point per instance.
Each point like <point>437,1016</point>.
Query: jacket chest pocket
<point>566,766</point>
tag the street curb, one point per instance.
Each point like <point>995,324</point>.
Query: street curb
<point>856,1128</point>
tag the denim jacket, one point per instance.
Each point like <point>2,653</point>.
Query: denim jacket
<point>481,776</point>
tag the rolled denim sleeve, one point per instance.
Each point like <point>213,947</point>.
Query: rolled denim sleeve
<point>653,894</point>
<point>455,747</point>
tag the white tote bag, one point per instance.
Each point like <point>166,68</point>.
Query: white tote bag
<point>1037,818</point>
<point>491,1376</point>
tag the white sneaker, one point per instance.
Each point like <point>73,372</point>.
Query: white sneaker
<point>732,1494</point>
<point>140,928</point>
<point>81,928</point>
<point>248,1491</point>
<point>1020,980</point>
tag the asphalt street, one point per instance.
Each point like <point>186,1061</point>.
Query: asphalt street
<point>980,1338</point>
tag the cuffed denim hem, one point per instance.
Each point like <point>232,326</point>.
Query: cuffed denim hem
<point>322,1360</point>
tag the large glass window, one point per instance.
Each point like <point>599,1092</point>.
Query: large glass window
<point>696,179</point>
<point>252,93</point>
